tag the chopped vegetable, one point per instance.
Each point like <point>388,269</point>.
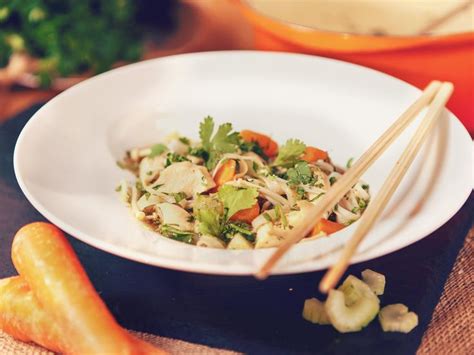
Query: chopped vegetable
<point>300,174</point>
<point>209,213</point>
<point>172,158</point>
<point>312,154</point>
<point>375,281</point>
<point>361,311</point>
<point>349,163</point>
<point>239,242</point>
<point>157,149</point>
<point>174,233</point>
<point>226,172</point>
<point>230,183</point>
<point>236,199</point>
<point>327,227</point>
<point>223,141</point>
<point>314,312</point>
<point>246,215</point>
<point>290,153</point>
<point>269,146</point>
<point>396,318</point>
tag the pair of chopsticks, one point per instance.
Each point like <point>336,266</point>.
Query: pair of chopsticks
<point>436,94</point>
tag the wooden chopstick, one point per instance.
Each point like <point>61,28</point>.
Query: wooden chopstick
<point>340,188</point>
<point>377,205</point>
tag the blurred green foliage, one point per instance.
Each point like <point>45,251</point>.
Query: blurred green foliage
<point>70,36</point>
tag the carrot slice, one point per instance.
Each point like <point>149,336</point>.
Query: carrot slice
<point>268,145</point>
<point>247,215</point>
<point>312,154</point>
<point>47,262</point>
<point>326,226</point>
<point>226,172</point>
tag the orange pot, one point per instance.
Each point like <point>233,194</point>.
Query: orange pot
<point>416,59</point>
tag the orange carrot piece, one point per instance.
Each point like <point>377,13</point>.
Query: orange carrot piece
<point>311,154</point>
<point>47,262</point>
<point>268,145</point>
<point>326,226</point>
<point>225,173</point>
<point>247,215</point>
<point>22,317</point>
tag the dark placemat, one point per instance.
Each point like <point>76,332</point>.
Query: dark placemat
<point>241,313</point>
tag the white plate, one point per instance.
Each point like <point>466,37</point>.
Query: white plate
<point>65,156</point>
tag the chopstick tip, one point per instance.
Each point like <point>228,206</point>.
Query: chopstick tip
<point>261,275</point>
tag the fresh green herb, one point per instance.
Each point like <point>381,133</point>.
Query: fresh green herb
<point>157,187</point>
<point>365,187</point>
<point>355,209</point>
<point>336,207</point>
<point>174,158</point>
<point>332,180</point>
<point>121,165</point>
<point>139,186</point>
<point>349,163</point>
<point>149,173</point>
<point>184,140</point>
<point>278,212</point>
<point>300,193</point>
<point>290,153</point>
<point>253,147</point>
<point>179,196</point>
<point>317,196</point>
<point>280,216</point>
<point>118,188</point>
<point>231,229</point>
<point>267,217</point>
<point>362,204</point>
<point>173,232</point>
<point>157,149</point>
<point>216,144</point>
<point>147,195</point>
<point>300,174</point>
<point>69,37</point>
<point>236,199</point>
<point>199,152</point>
<point>209,212</point>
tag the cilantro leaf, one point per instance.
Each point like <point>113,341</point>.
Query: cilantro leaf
<point>236,199</point>
<point>209,213</point>
<point>157,149</point>
<point>300,174</point>
<point>173,232</point>
<point>174,158</point>
<point>206,128</point>
<point>290,153</point>
<point>223,141</point>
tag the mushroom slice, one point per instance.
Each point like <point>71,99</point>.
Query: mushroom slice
<point>185,177</point>
<point>239,242</point>
<point>174,215</point>
<point>209,241</point>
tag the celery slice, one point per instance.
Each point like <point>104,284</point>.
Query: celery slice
<point>314,312</point>
<point>375,280</point>
<point>352,307</point>
<point>396,318</point>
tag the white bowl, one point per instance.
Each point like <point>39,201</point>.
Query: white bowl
<point>65,156</point>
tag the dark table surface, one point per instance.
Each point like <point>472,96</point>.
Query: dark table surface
<point>241,313</point>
